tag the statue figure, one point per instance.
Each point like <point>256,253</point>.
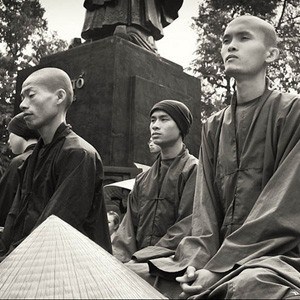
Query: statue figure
<point>139,21</point>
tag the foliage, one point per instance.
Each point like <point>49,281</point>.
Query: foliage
<point>210,24</point>
<point>24,39</point>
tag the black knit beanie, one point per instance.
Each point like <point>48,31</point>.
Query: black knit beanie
<point>178,111</point>
<point>18,126</point>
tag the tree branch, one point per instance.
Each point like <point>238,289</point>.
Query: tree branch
<point>282,13</point>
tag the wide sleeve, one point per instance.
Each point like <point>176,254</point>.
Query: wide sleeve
<point>7,234</point>
<point>124,241</point>
<point>78,196</point>
<point>273,225</point>
<point>8,187</point>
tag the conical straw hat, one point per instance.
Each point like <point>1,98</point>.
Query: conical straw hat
<point>124,184</point>
<point>57,261</point>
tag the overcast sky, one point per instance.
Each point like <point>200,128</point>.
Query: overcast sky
<point>178,45</point>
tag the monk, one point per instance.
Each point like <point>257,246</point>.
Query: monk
<point>245,241</point>
<point>160,205</point>
<point>64,174</point>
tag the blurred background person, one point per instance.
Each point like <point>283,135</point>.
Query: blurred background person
<point>153,148</point>
<point>21,142</point>
<point>113,222</point>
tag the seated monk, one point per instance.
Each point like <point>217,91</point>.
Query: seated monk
<point>159,207</point>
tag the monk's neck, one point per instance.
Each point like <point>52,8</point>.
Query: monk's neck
<point>47,131</point>
<point>171,151</point>
<point>247,90</point>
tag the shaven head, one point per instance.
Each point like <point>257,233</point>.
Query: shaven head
<point>53,79</point>
<point>255,23</point>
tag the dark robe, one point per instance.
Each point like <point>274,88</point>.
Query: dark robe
<point>63,178</point>
<point>159,210</point>
<point>102,16</point>
<point>9,183</point>
<point>246,208</point>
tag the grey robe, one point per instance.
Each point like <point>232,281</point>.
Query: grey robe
<point>158,215</point>
<point>246,209</point>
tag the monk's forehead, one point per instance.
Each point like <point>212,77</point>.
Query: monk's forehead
<point>247,23</point>
<point>39,79</point>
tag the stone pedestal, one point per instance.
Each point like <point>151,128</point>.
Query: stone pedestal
<point>116,83</point>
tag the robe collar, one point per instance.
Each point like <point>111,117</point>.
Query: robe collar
<point>61,131</point>
<point>41,150</point>
<point>30,147</point>
<point>259,105</point>
<point>268,90</point>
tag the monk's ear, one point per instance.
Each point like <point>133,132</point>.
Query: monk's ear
<point>61,96</point>
<point>272,54</point>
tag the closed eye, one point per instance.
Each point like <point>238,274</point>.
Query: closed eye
<point>243,38</point>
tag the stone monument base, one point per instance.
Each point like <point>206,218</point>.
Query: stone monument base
<point>116,83</point>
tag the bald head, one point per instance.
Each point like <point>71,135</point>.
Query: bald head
<point>257,24</point>
<point>53,79</point>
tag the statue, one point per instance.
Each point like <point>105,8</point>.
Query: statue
<point>139,21</point>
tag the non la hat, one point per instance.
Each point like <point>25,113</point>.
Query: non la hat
<point>18,126</point>
<point>178,111</point>
<point>58,261</point>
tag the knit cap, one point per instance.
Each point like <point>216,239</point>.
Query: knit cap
<point>178,111</point>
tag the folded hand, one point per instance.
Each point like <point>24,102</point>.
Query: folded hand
<point>202,280</point>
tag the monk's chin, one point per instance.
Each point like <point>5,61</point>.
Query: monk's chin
<point>231,72</point>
